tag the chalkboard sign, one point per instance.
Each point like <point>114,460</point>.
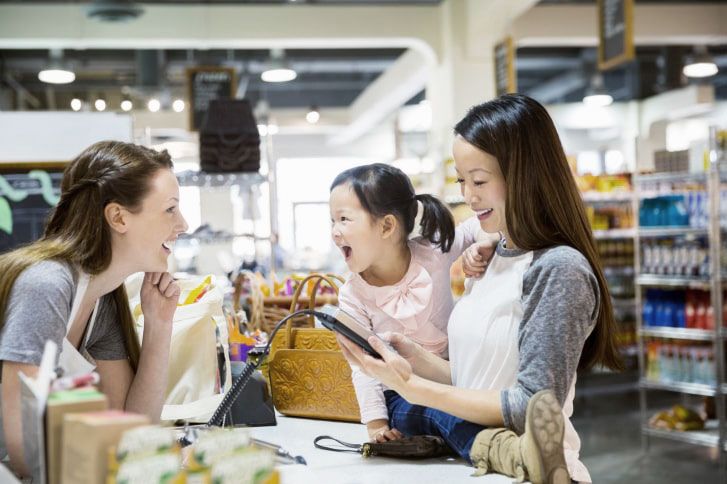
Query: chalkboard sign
<point>505,81</point>
<point>204,85</point>
<point>615,32</point>
<point>28,192</point>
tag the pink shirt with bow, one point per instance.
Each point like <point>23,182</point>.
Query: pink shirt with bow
<point>417,306</point>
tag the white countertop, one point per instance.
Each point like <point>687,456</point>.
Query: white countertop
<point>325,467</point>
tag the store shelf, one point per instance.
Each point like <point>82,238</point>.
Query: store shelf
<point>673,281</point>
<point>623,271</point>
<point>671,231</point>
<point>202,179</point>
<point>671,177</point>
<point>614,234</point>
<point>593,196</point>
<point>679,333</point>
<point>680,387</point>
<point>707,438</point>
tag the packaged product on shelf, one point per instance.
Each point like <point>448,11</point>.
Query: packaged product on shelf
<point>86,440</point>
<point>61,404</point>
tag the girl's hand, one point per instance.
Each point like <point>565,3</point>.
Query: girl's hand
<point>379,431</point>
<point>159,297</point>
<point>476,256</point>
<point>393,371</point>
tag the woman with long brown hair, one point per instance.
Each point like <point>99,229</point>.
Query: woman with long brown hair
<point>118,214</point>
<point>519,334</point>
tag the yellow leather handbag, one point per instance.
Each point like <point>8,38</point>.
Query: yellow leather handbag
<point>309,377</point>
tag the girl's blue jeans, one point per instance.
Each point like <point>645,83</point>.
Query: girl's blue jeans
<point>418,420</point>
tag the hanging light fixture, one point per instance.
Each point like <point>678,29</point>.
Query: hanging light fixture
<point>76,104</point>
<point>56,72</point>
<point>277,69</point>
<point>700,64</point>
<point>596,94</point>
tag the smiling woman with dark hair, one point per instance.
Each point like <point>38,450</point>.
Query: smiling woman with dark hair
<point>519,334</point>
<point>118,214</point>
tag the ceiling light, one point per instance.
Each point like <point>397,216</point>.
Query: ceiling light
<point>596,94</point>
<point>178,105</point>
<point>126,105</point>
<point>277,69</point>
<point>56,72</point>
<point>113,10</point>
<point>279,75</point>
<point>76,104</point>
<point>100,104</point>
<point>598,100</point>
<point>154,105</point>
<point>56,76</point>
<point>313,115</point>
<point>700,64</point>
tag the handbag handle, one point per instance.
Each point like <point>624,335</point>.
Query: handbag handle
<point>256,297</point>
<point>311,303</point>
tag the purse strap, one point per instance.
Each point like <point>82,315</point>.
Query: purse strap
<point>256,297</point>
<point>353,448</point>
<point>311,303</point>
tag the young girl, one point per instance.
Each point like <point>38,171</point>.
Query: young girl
<point>118,214</point>
<point>396,284</point>
<point>518,336</point>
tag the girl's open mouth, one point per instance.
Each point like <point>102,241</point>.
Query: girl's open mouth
<point>347,251</point>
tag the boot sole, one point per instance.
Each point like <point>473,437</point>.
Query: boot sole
<point>546,427</point>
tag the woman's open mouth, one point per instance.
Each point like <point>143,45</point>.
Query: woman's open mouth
<point>168,246</point>
<point>483,214</point>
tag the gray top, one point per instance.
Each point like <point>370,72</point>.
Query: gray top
<point>39,308</point>
<point>560,306</point>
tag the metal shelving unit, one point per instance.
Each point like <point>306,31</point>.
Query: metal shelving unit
<point>716,434</point>
<point>680,333</point>
<point>673,281</point>
<point>645,232</point>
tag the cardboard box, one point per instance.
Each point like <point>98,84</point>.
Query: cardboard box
<point>86,439</point>
<point>61,404</point>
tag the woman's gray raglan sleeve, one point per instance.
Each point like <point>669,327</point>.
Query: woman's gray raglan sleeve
<point>560,305</point>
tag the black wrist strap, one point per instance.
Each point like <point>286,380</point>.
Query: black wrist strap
<point>354,448</point>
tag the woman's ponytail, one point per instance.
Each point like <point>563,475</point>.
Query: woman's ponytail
<point>437,222</point>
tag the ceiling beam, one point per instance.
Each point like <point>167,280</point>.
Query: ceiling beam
<point>577,25</point>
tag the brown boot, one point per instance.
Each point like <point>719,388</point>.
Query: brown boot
<point>537,455</point>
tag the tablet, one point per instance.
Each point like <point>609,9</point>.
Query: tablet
<point>342,322</point>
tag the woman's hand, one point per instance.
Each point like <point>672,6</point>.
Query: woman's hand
<point>407,349</point>
<point>159,297</point>
<point>394,371</point>
<point>379,431</point>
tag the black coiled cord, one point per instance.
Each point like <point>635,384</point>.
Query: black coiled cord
<point>239,384</point>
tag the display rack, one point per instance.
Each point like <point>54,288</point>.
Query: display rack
<point>715,433</point>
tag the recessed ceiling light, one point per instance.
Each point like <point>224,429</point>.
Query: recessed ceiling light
<point>154,105</point>
<point>76,104</point>
<point>100,104</point>
<point>126,105</point>
<point>313,115</point>
<point>178,105</point>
